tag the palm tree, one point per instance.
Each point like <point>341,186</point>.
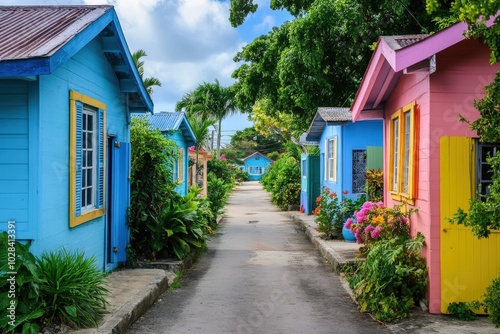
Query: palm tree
<point>193,104</point>
<point>219,103</point>
<point>148,82</point>
<point>210,101</point>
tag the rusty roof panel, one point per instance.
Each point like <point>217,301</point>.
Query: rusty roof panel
<point>39,31</point>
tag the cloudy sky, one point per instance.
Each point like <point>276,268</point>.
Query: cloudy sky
<point>188,42</point>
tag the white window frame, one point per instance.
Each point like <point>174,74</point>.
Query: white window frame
<point>89,150</point>
<point>331,159</point>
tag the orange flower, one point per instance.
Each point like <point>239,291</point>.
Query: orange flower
<point>332,195</point>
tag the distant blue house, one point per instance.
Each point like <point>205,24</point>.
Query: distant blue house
<point>256,165</point>
<point>175,126</point>
<point>347,149</point>
<point>68,85</point>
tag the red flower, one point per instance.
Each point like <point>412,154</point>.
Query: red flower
<point>345,192</point>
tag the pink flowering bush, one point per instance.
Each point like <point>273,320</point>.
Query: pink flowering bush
<point>373,222</point>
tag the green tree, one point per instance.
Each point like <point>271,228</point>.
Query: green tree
<point>210,101</point>
<point>194,105</point>
<point>248,141</point>
<point>150,82</point>
<point>484,211</point>
<point>319,58</point>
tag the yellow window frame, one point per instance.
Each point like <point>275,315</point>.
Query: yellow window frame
<point>94,213</point>
<point>399,194</point>
<point>180,166</point>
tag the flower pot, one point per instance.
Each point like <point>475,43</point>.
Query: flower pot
<point>348,235</point>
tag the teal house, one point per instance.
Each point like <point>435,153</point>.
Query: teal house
<point>347,150</point>
<point>68,86</point>
<point>256,164</point>
<point>175,126</point>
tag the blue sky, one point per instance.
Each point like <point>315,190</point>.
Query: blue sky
<point>188,42</point>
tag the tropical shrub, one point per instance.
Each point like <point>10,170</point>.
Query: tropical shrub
<point>491,301</point>
<point>217,193</point>
<point>182,225</point>
<point>331,213</point>
<point>283,182</point>
<point>392,279</point>
<point>223,170</point>
<point>72,288</point>
<point>23,291</point>
<point>151,183</point>
<point>463,310</point>
<point>327,212</point>
<point>374,186</point>
<point>374,222</point>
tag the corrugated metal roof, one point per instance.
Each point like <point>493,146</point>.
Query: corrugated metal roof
<point>165,121</point>
<point>399,42</point>
<point>39,31</point>
<point>326,116</point>
<point>335,114</point>
<point>170,121</point>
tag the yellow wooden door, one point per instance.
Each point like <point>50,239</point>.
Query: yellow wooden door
<point>468,265</point>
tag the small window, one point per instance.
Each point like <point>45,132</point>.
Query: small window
<point>179,166</point>
<point>87,158</point>
<point>331,161</point>
<point>402,162</point>
<point>484,172</point>
<point>358,171</point>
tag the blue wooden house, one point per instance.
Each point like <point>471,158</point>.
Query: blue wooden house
<point>68,85</point>
<point>175,126</point>
<point>256,164</point>
<point>347,149</point>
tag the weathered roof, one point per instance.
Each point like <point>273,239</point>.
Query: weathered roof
<point>257,153</point>
<point>39,31</point>
<point>392,57</point>
<point>303,140</point>
<point>170,121</point>
<point>326,116</point>
<point>36,40</point>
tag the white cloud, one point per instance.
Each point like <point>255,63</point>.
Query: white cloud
<point>266,24</point>
<point>188,42</point>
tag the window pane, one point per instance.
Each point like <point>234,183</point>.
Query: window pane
<point>89,177</point>
<point>406,166</point>
<point>395,176</point>
<point>83,197</point>
<point>89,196</point>
<point>358,171</point>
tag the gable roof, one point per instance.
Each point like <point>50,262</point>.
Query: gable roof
<point>255,154</point>
<point>326,116</point>
<point>170,121</point>
<point>392,57</point>
<point>36,40</point>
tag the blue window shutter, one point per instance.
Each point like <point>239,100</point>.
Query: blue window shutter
<point>78,157</point>
<point>100,159</point>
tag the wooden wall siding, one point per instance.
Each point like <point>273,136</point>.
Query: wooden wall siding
<point>462,70</point>
<point>468,265</point>
<point>352,136</point>
<point>178,138</point>
<point>87,72</point>
<point>14,158</point>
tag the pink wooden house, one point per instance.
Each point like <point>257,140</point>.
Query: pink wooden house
<point>419,85</point>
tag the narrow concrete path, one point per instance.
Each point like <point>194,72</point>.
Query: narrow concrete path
<point>260,275</point>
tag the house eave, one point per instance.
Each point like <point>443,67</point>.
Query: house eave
<point>389,62</point>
